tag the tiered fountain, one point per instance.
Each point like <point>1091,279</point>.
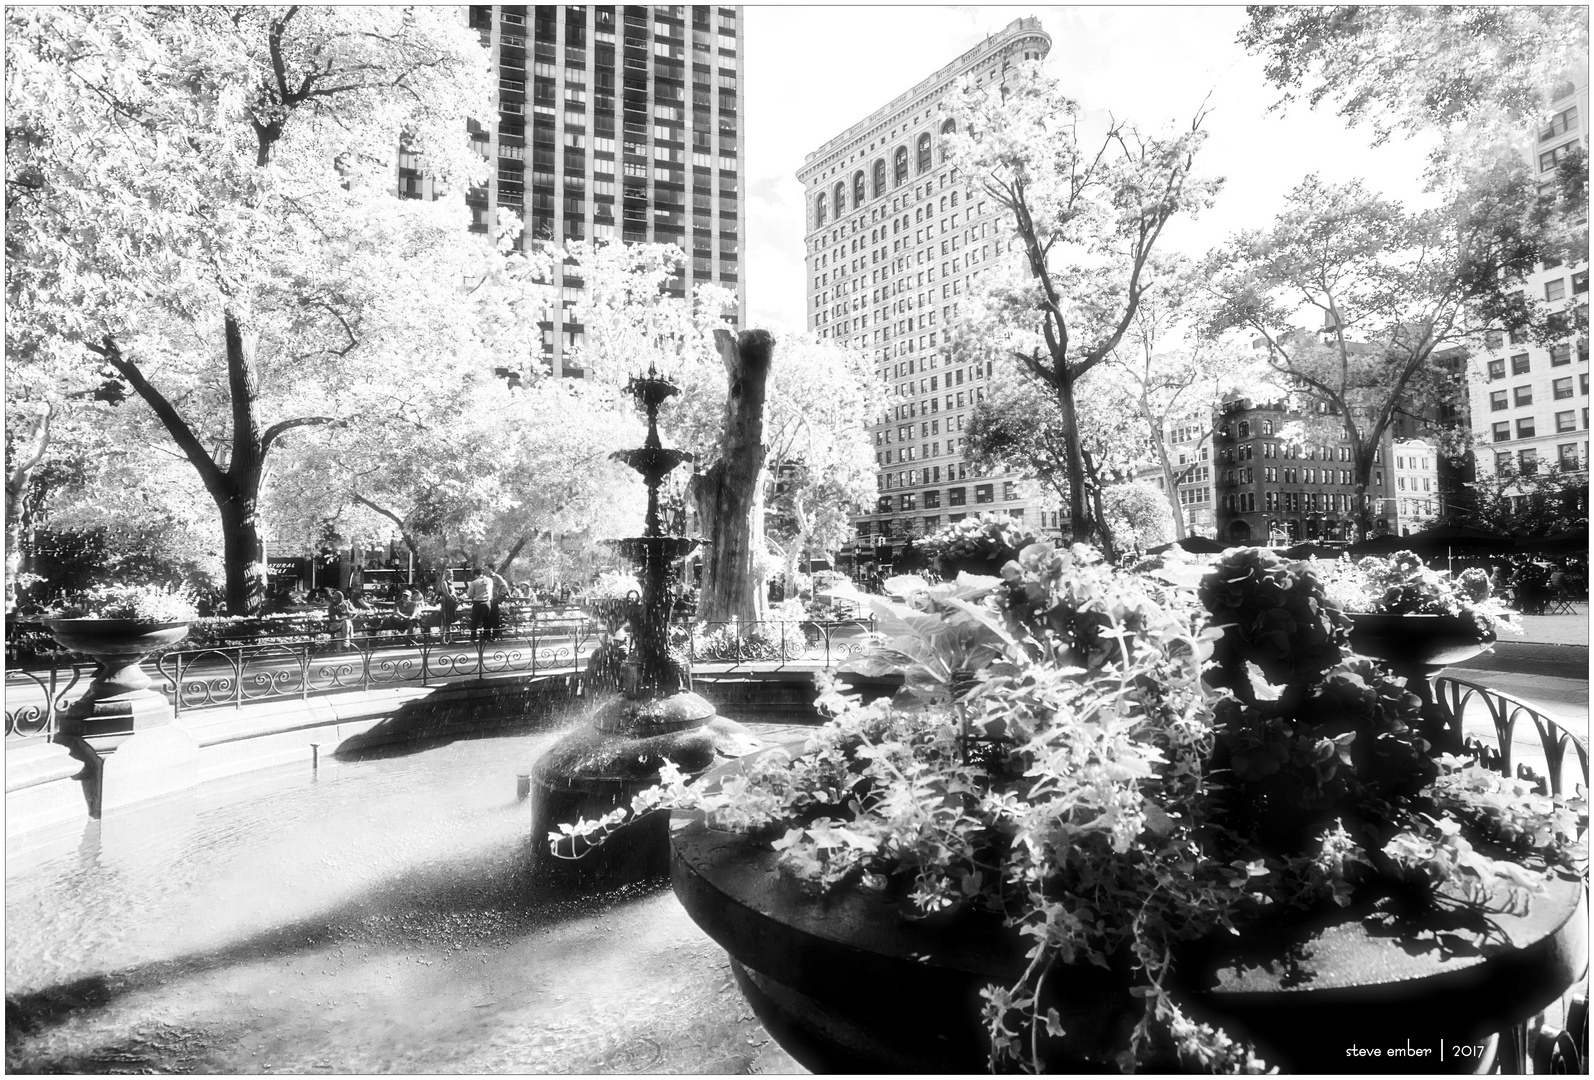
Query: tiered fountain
<point>656,717</point>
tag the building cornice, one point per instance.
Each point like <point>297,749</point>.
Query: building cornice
<point>849,140</point>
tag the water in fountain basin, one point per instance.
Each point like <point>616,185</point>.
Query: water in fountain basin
<point>379,917</point>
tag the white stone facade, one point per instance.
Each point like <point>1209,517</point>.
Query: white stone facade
<point>892,246</point>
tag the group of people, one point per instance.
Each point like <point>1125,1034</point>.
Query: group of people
<point>416,608</point>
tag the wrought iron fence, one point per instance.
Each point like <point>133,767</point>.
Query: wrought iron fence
<point>35,698</point>
<point>1547,768</point>
<point>240,675</point>
<point>231,676</point>
<point>773,644</point>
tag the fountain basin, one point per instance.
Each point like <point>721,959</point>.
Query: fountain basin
<point>645,549</point>
<point>653,462</point>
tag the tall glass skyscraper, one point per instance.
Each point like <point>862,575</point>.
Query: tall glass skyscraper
<point>613,123</point>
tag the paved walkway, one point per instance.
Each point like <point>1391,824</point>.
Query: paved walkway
<point>1556,629</point>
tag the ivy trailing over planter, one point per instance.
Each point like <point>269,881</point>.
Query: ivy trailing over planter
<point>1118,765</point>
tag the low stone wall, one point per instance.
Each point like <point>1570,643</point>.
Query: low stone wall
<point>47,785</point>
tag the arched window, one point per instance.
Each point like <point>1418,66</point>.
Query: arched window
<point>857,188</point>
<point>841,199</point>
<point>901,165</point>
<point>819,208</point>
<point>924,152</point>
<point>879,178</point>
<point>947,128</point>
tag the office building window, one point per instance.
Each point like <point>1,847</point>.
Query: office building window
<point>1555,290</point>
<point>1522,395</point>
<point>1566,421</point>
<point>984,493</point>
<point>1560,124</point>
<point>1525,428</point>
<point>1550,158</point>
<point>956,496</point>
<point>1528,461</point>
<point>1520,364</point>
<point>1502,431</point>
<point>1562,388</point>
<point>1502,461</point>
<point>1566,454</point>
<point>1560,354</point>
<point>1496,367</point>
<point>1498,400</point>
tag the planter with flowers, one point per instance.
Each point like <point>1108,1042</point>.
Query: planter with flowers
<point>1417,621</point>
<point>1115,821</point>
<point>120,626</point>
<point>979,545</point>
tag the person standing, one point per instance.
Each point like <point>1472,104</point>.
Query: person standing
<point>496,608</point>
<point>479,592</point>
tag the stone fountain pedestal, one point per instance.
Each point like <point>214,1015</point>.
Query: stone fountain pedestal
<point>621,749</point>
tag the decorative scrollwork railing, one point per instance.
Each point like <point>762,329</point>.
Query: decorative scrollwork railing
<point>1555,1045</point>
<point>34,699</point>
<point>773,644</point>
<point>1547,769</point>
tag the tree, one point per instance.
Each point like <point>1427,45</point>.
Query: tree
<point>730,492</point>
<point>820,458</point>
<point>1541,503</point>
<point>813,449</point>
<point>1086,217</point>
<point>1172,372</point>
<point>1139,515</point>
<point>475,475</point>
<point>201,207</point>
<point>1018,427</point>
<point>1391,289</point>
<point>1476,75</point>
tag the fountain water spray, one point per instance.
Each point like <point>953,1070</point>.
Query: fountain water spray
<point>656,718</point>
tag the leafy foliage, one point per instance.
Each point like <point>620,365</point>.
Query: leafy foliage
<point>1393,290</point>
<point>140,603</point>
<point>1401,584</point>
<point>1086,214</point>
<point>1117,766</point>
<point>199,207</point>
<point>1467,71</point>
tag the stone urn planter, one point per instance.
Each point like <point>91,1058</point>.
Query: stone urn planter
<point>848,983</point>
<point>1418,648</point>
<point>121,697</point>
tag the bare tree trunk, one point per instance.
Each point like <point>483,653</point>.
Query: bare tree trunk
<point>1169,482</point>
<point>1079,522</point>
<point>729,496</point>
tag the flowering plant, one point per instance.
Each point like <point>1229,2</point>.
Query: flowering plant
<point>1401,584</point>
<point>1116,766</point>
<point>980,544</point>
<point>140,603</point>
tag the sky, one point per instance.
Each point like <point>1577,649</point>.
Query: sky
<point>811,72</point>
